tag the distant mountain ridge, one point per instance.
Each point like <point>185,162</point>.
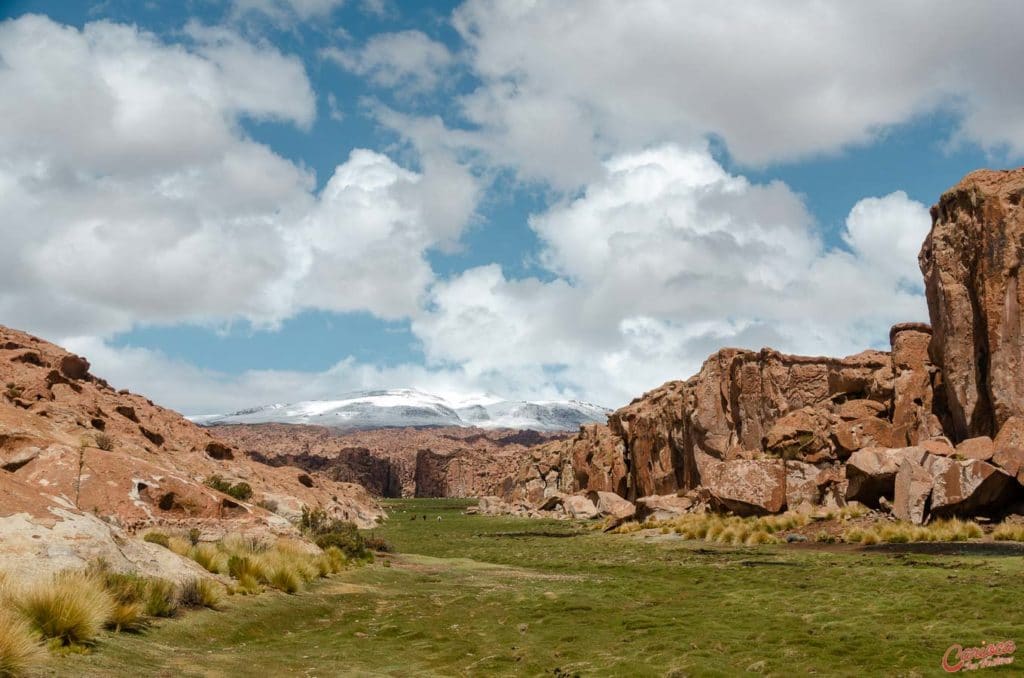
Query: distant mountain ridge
<point>400,408</point>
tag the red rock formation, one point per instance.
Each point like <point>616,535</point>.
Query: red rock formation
<point>411,462</point>
<point>760,431</point>
<point>72,446</point>
<point>971,264</point>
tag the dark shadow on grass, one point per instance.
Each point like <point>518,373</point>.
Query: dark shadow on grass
<point>951,548</point>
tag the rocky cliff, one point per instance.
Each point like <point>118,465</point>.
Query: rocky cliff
<point>936,424</point>
<point>83,465</point>
<point>395,462</point>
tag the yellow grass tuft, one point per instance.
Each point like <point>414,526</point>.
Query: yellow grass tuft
<point>1008,532</point>
<point>201,593</point>
<point>70,608</point>
<point>20,650</point>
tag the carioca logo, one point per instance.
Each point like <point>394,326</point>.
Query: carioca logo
<point>960,658</point>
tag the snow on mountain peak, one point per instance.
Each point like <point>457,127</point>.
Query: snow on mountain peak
<point>404,407</point>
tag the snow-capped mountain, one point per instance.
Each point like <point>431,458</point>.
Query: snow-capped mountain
<point>397,408</point>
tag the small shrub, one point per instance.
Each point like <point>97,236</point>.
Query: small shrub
<point>104,442</point>
<point>200,593</point>
<point>335,559</point>
<point>377,543</point>
<point>193,536</point>
<point>314,521</point>
<point>241,491</point>
<point>20,650</point>
<point>158,538</point>
<point>70,608</point>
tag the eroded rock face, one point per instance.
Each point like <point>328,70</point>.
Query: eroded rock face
<point>742,405</point>
<point>430,462</point>
<point>971,266</point>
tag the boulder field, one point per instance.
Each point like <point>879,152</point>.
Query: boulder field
<point>932,427</point>
<point>83,467</point>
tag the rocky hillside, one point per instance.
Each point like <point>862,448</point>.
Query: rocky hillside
<point>84,466</point>
<point>934,427</point>
<point>396,462</point>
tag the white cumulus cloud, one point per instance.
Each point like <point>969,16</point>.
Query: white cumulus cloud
<point>130,193</point>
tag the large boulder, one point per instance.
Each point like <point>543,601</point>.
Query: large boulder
<point>913,489</point>
<point>872,472</point>
<point>967,488</point>
<point>612,505</point>
<point>979,447</point>
<point>745,486</point>
<point>971,265</point>
<point>662,507</point>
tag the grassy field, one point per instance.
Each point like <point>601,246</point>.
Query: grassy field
<point>482,596</point>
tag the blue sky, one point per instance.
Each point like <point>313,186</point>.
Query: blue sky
<point>566,200</point>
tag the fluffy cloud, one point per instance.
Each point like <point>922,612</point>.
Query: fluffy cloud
<point>666,258</point>
<point>407,59</point>
<point>660,262</point>
<point>154,206</point>
<point>567,84</point>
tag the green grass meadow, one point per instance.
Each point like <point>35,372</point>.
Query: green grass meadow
<point>501,596</point>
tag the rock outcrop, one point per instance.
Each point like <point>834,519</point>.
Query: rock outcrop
<point>971,264</point>
<point>934,427</point>
<point>411,462</point>
<point>78,457</point>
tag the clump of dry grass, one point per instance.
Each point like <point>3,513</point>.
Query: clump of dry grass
<point>210,558</point>
<point>200,592</point>
<point>733,530</point>
<point>71,608</point>
<point>20,650</point>
<point>953,529</point>
<point>1009,532</point>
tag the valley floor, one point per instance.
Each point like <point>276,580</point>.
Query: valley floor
<point>482,596</point>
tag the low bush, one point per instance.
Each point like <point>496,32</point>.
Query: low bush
<point>240,491</point>
<point>20,650</point>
